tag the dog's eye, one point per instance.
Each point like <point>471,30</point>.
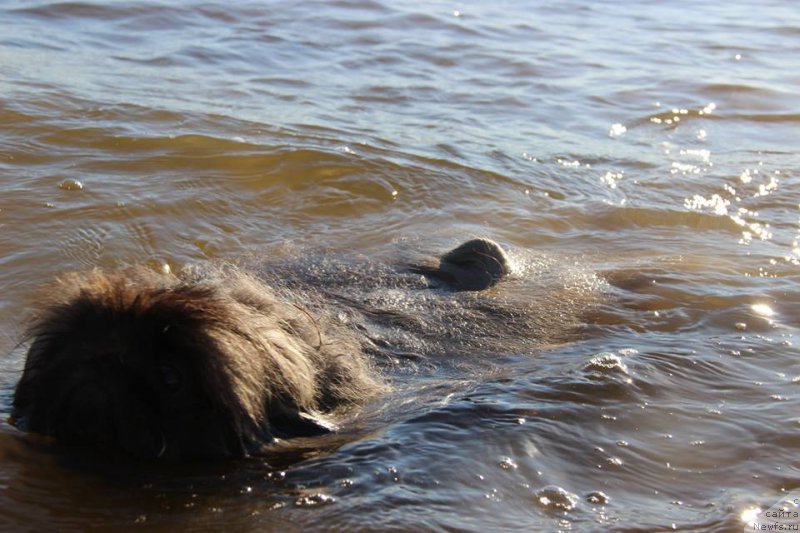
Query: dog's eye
<point>171,377</point>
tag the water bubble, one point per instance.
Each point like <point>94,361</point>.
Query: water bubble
<point>597,497</point>
<point>506,463</point>
<point>70,184</point>
<point>556,499</point>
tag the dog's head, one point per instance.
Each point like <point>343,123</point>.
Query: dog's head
<point>160,367</point>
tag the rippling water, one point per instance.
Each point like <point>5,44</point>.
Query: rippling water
<point>654,145</point>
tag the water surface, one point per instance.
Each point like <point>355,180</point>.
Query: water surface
<point>653,145</point>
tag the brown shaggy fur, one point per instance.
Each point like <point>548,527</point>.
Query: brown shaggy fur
<point>165,367</point>
<point>215,363</point>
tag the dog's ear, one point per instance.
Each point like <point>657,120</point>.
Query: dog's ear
<point>473,266</point>
<point>287,421</point>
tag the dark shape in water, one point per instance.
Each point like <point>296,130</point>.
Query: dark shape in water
<point>206,365</point>
<point>475,265</point>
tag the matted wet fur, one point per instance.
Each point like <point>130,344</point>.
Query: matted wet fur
<point>189,369</point>
<point>203,365</point>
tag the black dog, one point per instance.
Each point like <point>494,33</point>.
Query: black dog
<point>211,364</point>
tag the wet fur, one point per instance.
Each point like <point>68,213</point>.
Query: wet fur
<point>264,366</point>
<point>217,363</point>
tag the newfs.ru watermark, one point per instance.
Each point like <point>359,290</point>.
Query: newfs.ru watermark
<point>783,516</point>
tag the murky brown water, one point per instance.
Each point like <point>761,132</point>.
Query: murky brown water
<point>652,145</point>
